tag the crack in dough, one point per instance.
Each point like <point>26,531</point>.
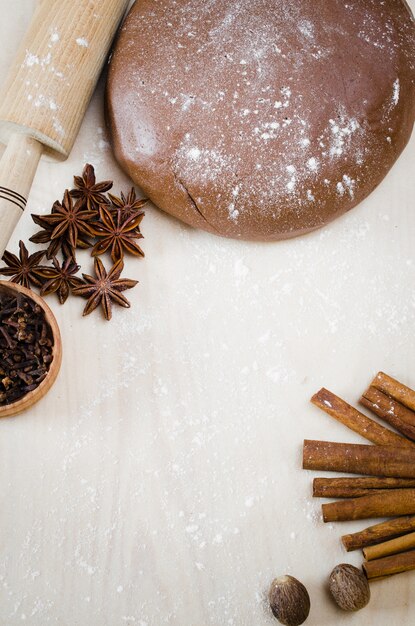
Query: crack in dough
<point>193,202</point>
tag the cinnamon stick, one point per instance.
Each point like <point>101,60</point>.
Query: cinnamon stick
<point>379,532</point>
<point>390,411</point>
<point>379,568</point>
<point>355,487</point>
<point>395,390</point>
<point>391,503</point>
<point>393,546</point>
<point>390,405</point>
<point>340,492</point>
<point>359,459</point>
<point>362,482</point>
<point>357,421</point>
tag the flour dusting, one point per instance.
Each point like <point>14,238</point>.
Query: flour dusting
<point>81,41</point>
<point>396,90</point>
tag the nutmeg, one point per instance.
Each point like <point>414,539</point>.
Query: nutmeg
<point>349,587</point>
<point>289,600</point>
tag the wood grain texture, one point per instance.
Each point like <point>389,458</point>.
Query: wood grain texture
<point>17,169</point>
<point>159,483</point>
<point>56,68</point>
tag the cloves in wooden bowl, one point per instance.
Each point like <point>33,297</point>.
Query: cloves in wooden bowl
<point>30,348</point>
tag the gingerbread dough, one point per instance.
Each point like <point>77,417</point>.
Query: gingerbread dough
<point>261,119</point>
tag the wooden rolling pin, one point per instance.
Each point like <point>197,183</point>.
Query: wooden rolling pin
<point>44,98</point>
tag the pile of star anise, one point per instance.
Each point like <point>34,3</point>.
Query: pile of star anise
<point>87,217</point>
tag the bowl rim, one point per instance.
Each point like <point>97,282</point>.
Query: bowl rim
<point>30,398</point>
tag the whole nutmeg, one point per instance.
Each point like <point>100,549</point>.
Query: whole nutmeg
<point>289,600</point>
<point>349,587</point>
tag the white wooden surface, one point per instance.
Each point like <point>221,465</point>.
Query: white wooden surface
<point>160,481</point>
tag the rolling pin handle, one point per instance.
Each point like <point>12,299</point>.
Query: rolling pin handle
<point>17,170</point>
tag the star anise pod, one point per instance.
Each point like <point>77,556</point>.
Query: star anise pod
<point>105,289</point>
<point>45,236</point>
<point>24,268</point>
<point>88,190</point>
<point>70,221</point>
<point>60,279</point>
<point>127,206</point>
<point>58,244</point>
<point>118,234</point>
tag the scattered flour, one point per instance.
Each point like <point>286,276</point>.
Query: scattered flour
<point>32,59</point>
<point>396,89</point>
<point>58,127</point>
<point>312,164</point>
<point>81,41</point>
<point>341,132</point>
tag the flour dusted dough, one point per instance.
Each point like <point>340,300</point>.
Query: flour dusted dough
<point>261,119</point>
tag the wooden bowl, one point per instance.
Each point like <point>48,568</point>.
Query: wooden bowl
<point>34,396</point>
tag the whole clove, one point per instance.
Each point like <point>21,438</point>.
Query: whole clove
<point>26,346</point>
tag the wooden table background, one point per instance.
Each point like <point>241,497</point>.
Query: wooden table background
<point>159,482</point>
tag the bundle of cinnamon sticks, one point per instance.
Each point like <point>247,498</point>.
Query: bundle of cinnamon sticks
<point>387,487</point>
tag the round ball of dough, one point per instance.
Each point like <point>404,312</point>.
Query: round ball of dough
<point>261,119</point>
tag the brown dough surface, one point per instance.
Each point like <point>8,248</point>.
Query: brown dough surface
<point>261,119</point>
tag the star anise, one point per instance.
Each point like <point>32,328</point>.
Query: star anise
<point>105,289</point>
<point>118,234</point>
<point>127,206</point>
<point>58,244</point>
<point>60,279</point>
<point>24,268</point>
<point>70,221</point>
<point>88,190</point>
